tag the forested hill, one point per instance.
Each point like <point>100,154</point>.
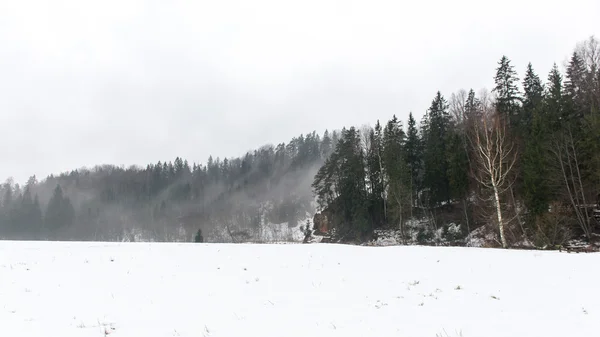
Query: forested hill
<point>170,200</point>
<point>521,162</point>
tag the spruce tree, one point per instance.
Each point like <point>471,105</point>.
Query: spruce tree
<point>325,182</point>
<point>575,87</point>
<point>25,222</point>
<point>8,203</point>
<point>199,238</point>
<point>59,213</point>
<point>37,218</point>
<point>375,175</point>
<point>352,183</point>
<point>397,173</point>
<point>532,98</point>
<point>532,128</point>
<point>340,186</point>
<point>335,138</point>
<point>414,157</point>
<point>537,184</point>
<point>435,162</point>
<point>326,145</point>
<point>458,165</point>
<point>536,191</point>
<point>554,100</point>
<point>508,100</point>
<point>471,106</point>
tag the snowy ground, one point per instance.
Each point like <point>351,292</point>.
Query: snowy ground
<point>147,290</point>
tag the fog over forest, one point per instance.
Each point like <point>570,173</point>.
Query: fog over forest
<point>170,200</point>
<point>519,163</point>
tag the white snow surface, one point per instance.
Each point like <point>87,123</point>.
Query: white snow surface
<point>173,289</point>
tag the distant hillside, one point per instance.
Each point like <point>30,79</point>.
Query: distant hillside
<point>170,201</point>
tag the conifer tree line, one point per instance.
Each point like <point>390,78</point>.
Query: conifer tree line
<point>521,161</point>
<point>169,201</point>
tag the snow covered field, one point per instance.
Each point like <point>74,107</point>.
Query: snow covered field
<point>148,290</point>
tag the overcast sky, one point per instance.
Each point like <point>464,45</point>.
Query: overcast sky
<point>131,82</point>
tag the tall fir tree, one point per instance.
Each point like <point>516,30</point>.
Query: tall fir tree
<point>377,207</point>
<point>435,162</point>
<point>554,100</point>
<point>340,186</point>
<point>471,106</point>
<point>575,88</point>
<point>397,173</point>
<point>458,165</point>
<point>326,145</point>
<point>536,187</point>
<point>59,212</point>
<point>532,131</point>
<point>414,158</point>
<point>508,95</point>
<point>532,98</point>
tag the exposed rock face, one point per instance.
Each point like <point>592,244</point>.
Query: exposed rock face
<point>322,223</point>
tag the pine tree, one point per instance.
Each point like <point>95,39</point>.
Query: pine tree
<point>471,106</point>
<point>8,205</point>
<point>397,172</point>
<point>536,190</point>
<point>59,212</point>
<point>325,183</point>
<point>377,208</point>
<point>37,218</point>
<point>326,145</point>
<point>435,162</point>
<point>533,125</point>
<point>458,165</point>
<point>199,238</point>
<point>537,186</point>
<point>335,138</point>
<point>508,101</point>
<point>7,199</point>
<point>532,98</point>
<point>352,183</point>
<point>575,87</point>
<point>340,186</point>
<point>414,157</point>
<point>25,211</point>
<point>178,167</point>
<point>554,100</point>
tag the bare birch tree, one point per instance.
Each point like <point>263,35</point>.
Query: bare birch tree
<point>494,157</point>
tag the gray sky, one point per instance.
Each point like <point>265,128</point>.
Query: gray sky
<point>132,82</point>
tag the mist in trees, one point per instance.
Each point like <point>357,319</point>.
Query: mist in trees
<point>521,160</point>
<point>170,200</point>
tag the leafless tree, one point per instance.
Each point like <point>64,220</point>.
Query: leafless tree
<point>589,51</point>
<point>494,157</point>
<point>457,108</point>
<point>365,132</point>
<point>400,195</point>
<point>565,150</point>
<point>552,228</point>
<point>365,138</point>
